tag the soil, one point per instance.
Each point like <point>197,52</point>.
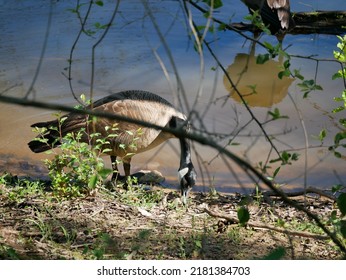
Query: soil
<point>120,225</point>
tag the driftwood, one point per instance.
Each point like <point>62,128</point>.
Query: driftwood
<point>318,22</point>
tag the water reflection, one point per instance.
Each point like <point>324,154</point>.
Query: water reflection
<point>258,84</point>
<point>125,60</point>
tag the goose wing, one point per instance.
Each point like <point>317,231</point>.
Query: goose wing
<point>142,106</point>
<point>283,11</point>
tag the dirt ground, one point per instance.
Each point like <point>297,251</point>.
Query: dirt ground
<point>155,225</point>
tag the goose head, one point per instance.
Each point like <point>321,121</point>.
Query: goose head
<point>187,179</point>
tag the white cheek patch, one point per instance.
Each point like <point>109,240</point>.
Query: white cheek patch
<point>182,173</point>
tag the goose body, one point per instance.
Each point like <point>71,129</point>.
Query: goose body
<point>275,13</point>
<point>138,105</point>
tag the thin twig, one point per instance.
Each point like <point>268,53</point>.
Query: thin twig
<point>103,35</point>
<point>80,32</point>
<point>43,51</point>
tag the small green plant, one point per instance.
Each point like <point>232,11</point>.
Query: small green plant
<point>276,254</point>
<point>105,247</point>
<point>78,169</point>
<point>243,215</point>
<point>39,221</point>
<point>20,189</point>
<point>340,137</point>
<point>137,195</point>
<point>8,253</point>
<point>338,218</point>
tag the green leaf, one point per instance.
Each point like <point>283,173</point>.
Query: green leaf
<point>235,144</point>
<point>295,156</point>
<point>99,3</point>
<point>341,202</point>
<point>318,87</point>
<point>337,75</point>
<point>105,172</point>
<point>338,109</point>
<point>284,73</point>
<point>276,114</point>
<point>307,86</point>
<point>343,228</point>
<point>343,122</point>
<point>339,137</point>
<point>287,64</point>
<point>100,26</point>
<point>337,154</point>
<point>276,254</point>
<point>336,188</point>
<point>298,75</point>
<point>198,244</point>
<point>322,135</point>
<point>276,171</point>
<point>216,3</point>
<point>222,27</point>
<point>285,156</point>
<point>262,58</point>
<point>243,215</point>
<point>92,181</point>
<point>334,217</point>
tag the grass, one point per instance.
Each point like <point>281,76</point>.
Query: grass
<point>143,224</point>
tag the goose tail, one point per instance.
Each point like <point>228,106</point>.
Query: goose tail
<point>46,140</point>
<point>55,130</point>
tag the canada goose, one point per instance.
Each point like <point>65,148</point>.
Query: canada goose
<point>139,105</point>
<point>275,13</point>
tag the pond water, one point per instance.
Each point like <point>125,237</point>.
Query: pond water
<point>131,57</point>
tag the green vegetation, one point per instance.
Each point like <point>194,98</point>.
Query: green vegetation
<point>128,225</point>
<point>340,137</point>
<point>77,168</point>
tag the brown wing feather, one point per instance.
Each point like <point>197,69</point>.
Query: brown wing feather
<point>282,8</point>
<point>144,110</point>
<point>138,105</point>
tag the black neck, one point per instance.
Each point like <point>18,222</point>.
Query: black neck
<point>185,154</point>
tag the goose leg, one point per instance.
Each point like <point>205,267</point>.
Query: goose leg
<point>127,168</point>
<point>116,176</point>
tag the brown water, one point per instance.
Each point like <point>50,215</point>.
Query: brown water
<point>126,60</point>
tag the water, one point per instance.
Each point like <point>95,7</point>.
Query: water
<point>128,59</point>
